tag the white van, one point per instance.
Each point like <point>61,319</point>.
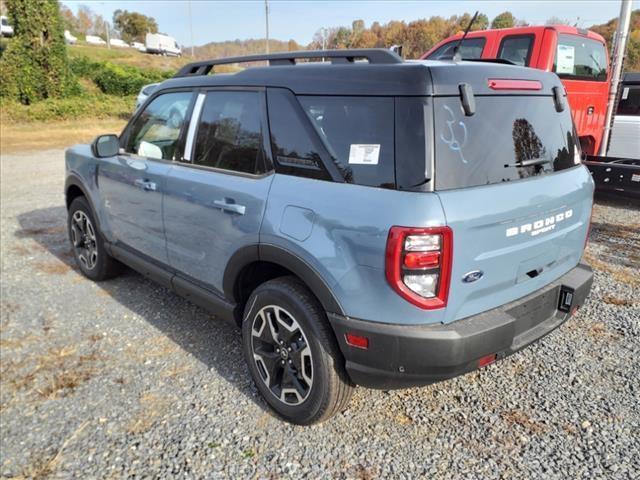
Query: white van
<point>139,46</point>
<point>116,42</point>
<point>162,44</point>
<point>70,38</point>
<point>94,40</point>
<point>5,29</point>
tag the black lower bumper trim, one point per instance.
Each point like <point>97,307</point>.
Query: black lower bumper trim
<point>402,356</point>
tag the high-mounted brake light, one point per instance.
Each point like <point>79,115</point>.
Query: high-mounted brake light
<point>418,264</point>
<point>508,84</point>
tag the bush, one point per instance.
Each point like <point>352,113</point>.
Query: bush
<point>83,106</point>
<point>114,79</point>
<point>34,64</point>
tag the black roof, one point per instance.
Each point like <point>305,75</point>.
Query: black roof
<point>384,74</point>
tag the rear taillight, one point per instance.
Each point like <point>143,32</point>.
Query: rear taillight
<point>418,264</point>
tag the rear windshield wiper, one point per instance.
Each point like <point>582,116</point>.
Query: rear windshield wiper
<point>528,163</point>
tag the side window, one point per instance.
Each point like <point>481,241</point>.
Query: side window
<point>580,58</point>
<point>230,132</point>
<point>155,133</point>
<point>629,100</point>
<point>471,48</point>
<point>359,134</point>
<point>294,150</point>
<point>517,49</point>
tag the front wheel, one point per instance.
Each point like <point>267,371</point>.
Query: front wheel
<point>87,243</point>
<point>292,353</point>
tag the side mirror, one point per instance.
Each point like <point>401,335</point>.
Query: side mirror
<point>105,146</point>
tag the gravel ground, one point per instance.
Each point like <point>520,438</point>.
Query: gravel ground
<point>126,379</point>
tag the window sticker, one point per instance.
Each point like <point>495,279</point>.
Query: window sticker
<point>566,59</point>
<point>364,154</point>
<point>625,93</point>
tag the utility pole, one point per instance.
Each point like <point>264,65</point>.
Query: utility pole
<point>266,18</point>
<point>620,45</point>
<point>323,32</point>
<point>106,27</point>
<point>191,28</point>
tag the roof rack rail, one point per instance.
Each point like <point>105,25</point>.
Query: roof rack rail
<point>373,55</point>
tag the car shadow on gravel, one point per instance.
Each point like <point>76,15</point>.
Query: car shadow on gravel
<point>209,340</point>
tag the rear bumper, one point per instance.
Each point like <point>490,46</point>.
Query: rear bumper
<point>402,356</point>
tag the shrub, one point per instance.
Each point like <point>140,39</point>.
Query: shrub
<point>35,65</point>
<point>115,79</point>
<point>82,106</point>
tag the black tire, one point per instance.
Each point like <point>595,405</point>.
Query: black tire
<point>103,266</point>
<point>330,389</point>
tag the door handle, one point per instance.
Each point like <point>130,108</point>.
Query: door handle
<point>226,205</point>
<point>145,185</point>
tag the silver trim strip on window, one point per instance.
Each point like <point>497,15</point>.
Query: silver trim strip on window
<point>193,124</point>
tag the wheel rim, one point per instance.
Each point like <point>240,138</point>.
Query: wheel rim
<point>83,237</point>
<point>282,355</point>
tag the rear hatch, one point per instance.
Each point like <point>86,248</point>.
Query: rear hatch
<point>510,182</point>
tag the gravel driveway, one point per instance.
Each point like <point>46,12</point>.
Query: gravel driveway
<point>126,379</point>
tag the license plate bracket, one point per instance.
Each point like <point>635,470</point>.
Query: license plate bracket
<point>565,299</point>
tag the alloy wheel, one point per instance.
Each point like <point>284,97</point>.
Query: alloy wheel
<point>83,236</point>
<point>282,355</point>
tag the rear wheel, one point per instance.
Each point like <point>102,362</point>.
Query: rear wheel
<point>292,354</point>
<point>87,243</point>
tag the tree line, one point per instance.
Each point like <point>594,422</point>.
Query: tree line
<point>129,26</point>
<point>416,36</point>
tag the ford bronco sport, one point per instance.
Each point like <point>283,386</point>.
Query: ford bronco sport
<point>365,220</point>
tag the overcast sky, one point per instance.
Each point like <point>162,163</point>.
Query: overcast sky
<point>299,20</point>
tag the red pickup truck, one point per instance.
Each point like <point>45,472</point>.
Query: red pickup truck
<point>579,57</point>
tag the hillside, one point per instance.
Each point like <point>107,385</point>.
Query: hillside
<point>127,56</point>
<point>236,48</point>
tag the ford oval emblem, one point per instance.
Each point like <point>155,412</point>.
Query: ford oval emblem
<point>472,276</point>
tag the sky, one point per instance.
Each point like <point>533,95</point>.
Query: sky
<point>215,21</point>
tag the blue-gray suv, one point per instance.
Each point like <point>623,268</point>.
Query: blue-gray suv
<point>365,220</point>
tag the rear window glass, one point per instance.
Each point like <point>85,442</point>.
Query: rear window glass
<point>509,138</point>
<point>516,49</point>
<point>580,58</point>
<point>629,100</point>
<point>359,135</point>
<point>471,48</point>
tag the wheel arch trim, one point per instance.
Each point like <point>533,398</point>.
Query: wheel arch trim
<point>74,180</point>
<point>280,256</point>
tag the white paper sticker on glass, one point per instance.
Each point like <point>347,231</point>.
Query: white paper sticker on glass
<point>364,154</point>
<point>566,59</point>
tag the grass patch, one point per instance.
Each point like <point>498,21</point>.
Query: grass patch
<point>33,136</point>
<point>152,408</point>
<point>127,56</point>
<point>519,417</point>
<point>52,268</point>
<point>50,375</point>
<point>613,300</point>
<point>98,106</point>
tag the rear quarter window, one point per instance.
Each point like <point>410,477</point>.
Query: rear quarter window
<point>358,132</point>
